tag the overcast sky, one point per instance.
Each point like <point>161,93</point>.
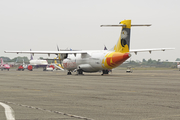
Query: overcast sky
<point>43,24</point>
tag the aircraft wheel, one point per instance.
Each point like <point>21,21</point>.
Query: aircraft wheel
<point>105,72</point>
<point>80,72</point>
<point>69,73</point>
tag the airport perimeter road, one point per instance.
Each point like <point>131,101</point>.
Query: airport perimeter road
<point>141,95</point>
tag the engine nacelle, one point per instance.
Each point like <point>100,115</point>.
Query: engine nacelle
<point>86,67</point>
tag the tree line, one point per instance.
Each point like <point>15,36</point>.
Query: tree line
<point>143,63</point>
<point>20,59</point>
<point>151,63</point>
<point>16,59</point>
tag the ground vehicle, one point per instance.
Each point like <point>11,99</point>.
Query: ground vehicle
<point>20,68</point>
<point>129,69</point>
<point>49,68</point>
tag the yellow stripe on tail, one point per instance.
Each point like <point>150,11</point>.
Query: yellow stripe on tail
<point>123,43</point>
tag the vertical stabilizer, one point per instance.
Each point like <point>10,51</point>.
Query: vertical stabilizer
<point>31,57</point>
<point>123,43</point>
<point>2,61</point>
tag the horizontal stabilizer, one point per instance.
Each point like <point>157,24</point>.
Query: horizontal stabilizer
<point>121,25</point>
<point>149,50</point>
<point>141,25</point>
<point>113,25</point>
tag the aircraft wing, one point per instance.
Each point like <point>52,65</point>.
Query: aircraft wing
<point>149,50</point>
<point>48,52</point>
<point>85,52</point>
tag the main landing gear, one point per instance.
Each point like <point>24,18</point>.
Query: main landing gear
<point>69,73</point>
<point>105,72</point>
<point>80,72</point>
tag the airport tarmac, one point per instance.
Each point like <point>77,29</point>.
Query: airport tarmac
<point>52,95</point>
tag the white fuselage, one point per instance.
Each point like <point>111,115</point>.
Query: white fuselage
<point>91,62</point>
<point>39,63</point>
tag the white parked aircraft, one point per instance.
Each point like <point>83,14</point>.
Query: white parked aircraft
<point>98,60</point>
<point>38,63</point>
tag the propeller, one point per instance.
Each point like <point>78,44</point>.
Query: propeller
<point>57,48</point>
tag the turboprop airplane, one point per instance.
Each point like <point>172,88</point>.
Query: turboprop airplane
<point>4,66</point>
<point>98,60</point>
